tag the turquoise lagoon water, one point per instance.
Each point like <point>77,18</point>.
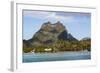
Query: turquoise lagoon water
<point>59,56</point>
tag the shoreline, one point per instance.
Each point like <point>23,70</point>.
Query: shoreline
<point>58,52</point>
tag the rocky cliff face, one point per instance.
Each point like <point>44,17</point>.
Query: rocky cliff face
<point>50,33</point>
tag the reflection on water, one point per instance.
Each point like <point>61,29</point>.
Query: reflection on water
<point>60,56</point>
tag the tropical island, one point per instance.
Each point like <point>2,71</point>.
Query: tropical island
<point>55,38</point>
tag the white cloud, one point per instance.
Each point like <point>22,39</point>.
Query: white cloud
<point>36,14</point>
<point>56,17</point>
<point>49,16</point>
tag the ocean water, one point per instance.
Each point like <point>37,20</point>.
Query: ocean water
<point>59,56</point>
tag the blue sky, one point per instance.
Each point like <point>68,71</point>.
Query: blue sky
<point>78,24</point>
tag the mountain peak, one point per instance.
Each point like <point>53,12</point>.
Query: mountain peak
<point>58,22</point>
<point>48,26</point>
<point>47,23</point>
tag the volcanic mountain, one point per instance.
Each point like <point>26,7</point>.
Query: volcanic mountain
<point>49,34</point>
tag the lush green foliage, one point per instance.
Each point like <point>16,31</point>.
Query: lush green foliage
<point>61,46</point>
